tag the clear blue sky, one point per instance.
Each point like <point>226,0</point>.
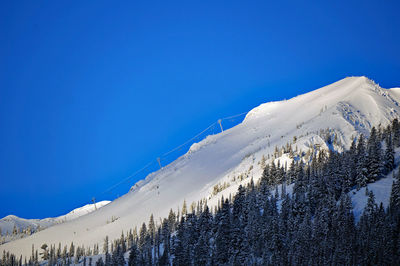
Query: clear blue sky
<point>90,91</point>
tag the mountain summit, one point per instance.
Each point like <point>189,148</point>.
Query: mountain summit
<point>327,118</point>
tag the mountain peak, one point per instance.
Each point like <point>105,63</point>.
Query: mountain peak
<point>338,111</point>
<point>10,217</point>
<point>345,90</point>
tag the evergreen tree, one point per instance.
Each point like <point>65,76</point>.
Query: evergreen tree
<point>314,224</point>
<point>122,242</point>
<point>142,236</point>
<point>396,132</point>
<point>374,157</point>
<point>133,256</point>
<point>108,259</point>
<point>152,229</point>
<point>389,155</point>
<point>223,234</point>
<point>395,196</point>
<point>100,262</point>
<point>180,248</point>
<point>184,208</point>
<point>45,252</point>
<point>117,258</point>
<point>240,229</point>
<point>105,245</point>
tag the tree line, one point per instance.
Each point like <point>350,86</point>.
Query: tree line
<point>264,224</point>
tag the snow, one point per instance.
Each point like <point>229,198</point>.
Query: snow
<point>7,223</point>
<point>88,208</point>
<point>381,190</point>
<point>348,107</point>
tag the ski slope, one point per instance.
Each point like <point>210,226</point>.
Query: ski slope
<point>342,110</point>
<point>7,223</point>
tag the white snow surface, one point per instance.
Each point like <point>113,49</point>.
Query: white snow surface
<point>381,190</point>
<point>7,223</point>
<point>348,107</point>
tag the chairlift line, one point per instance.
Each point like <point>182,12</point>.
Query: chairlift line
<point>159,162</point>
<point>233,116</point>
<point>213,124</point>
<point>127,178</point>
<point>169,152</point>
<point>186,142</point>
<point>220,124</point>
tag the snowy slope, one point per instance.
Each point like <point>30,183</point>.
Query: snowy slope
<point>220,162</point>
<point>7,223</point>
<point>381,189</point>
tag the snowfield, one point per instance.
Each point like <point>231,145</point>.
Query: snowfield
<point>7,223</point>
<point>218,164</point>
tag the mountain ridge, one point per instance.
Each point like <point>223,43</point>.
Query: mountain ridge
<point>12,222</point>
<point>218,164</point>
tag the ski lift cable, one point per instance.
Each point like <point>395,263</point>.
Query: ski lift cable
<point>127,178</point>
<point>210,126</point>
<point>165,154</point>
<point>233,116</point>
<point>186,142</point>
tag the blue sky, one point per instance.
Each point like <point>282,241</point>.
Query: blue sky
<point>90,91</point>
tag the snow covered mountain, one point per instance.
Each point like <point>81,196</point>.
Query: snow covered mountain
<point>25,227</point>
<point>326,118</point>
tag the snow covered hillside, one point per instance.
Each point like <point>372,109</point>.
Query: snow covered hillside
<point>13,227</point>
<point>326,118</point>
